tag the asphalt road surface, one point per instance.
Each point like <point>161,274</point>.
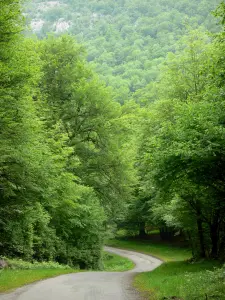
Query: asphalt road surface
<point>89,285</point>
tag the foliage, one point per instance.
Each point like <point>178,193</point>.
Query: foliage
<point>62,137</point>
<point>19,264</point>
<point>181,153</point>
<point>91,119</point>
<point>126,40</point>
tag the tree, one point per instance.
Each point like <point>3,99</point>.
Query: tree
<point>182,153</point>
<point>46,213</point>
<point>119,36</point>
<point>90,118</point>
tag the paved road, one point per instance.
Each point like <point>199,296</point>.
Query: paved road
<point>89,285</point>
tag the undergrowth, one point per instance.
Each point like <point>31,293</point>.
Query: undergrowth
<point>184,281</point>
<point>26,265</point>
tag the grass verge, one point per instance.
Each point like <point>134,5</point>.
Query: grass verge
<point>162,251</point>
<point>11,279</point>
<point>116,263</point>
<point>183,281</point>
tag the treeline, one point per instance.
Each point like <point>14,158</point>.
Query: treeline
<point>181,160</point>
<point>126,40</point>
<point>62,173</point>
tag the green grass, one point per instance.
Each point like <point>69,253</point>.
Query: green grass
<point>183,280</point>
<point>25,272</point>
<point>116,263</point>
<point>162,251</point>
<point>11,279</point>
<point>154,231</point>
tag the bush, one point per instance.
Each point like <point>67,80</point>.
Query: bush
<point>25,265</point>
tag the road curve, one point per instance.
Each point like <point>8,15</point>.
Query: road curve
<point>89,285</point>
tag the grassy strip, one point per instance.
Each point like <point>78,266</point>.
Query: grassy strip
<point>162,251</point>
<point>116,263</point>
<point>11,279</point>
<point>182,280</point>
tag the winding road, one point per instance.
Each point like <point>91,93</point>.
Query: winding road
<point>89,285</point>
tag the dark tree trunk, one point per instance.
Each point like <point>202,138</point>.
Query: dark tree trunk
<point>214,234</point>
<point>214,240</point>
<point>222,244</point>
<point>191,243</point>
<point>142,234</point>
<point>200,232</point>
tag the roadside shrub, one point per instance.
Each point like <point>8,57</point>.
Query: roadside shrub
<point>25,265</point>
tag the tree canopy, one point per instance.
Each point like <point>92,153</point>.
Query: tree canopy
<point>62,173</point>
<point>125,40</point>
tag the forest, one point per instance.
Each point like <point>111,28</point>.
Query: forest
<point>126,41</point>
<point>120,127</point>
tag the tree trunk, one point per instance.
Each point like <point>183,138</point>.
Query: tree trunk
<point>142,233</point>
<point>214,234</point>
<point>200,232</point>
<point>214,240</point>
<point>191,242</point>
<point>221,250</point>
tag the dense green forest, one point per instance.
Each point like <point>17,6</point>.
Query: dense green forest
<point>74,162</point>
<point>62,173</point>
<point>125,40</point>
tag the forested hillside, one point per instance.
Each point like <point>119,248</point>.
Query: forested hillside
<point>125,40</point>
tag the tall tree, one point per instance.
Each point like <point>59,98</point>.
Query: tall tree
<point>182,153</point>
<point>90,118</point>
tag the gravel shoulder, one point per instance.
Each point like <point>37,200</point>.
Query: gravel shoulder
<point>89,285</point>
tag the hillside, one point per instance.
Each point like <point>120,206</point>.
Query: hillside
<point>126,40</point>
